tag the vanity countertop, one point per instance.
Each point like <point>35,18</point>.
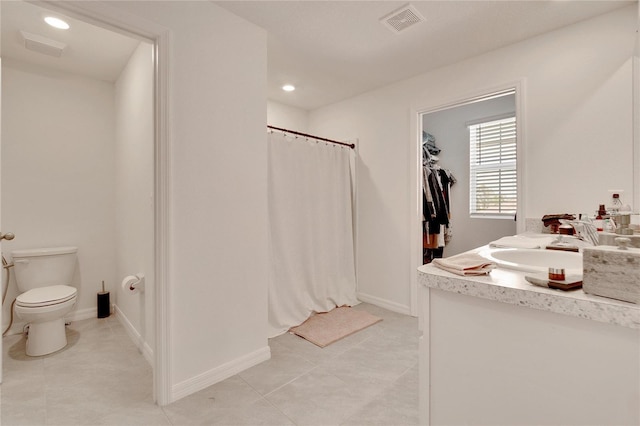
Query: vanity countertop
<point>510,286</point>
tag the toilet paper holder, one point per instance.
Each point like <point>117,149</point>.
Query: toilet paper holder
<point>133,283</point>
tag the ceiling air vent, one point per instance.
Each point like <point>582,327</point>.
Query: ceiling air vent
<point>402,18</point>
<point>42,44</point>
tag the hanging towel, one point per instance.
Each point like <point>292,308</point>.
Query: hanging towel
<point>465,264</point>
<point>519,241</point>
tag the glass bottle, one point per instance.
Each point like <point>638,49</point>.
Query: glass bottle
<point>616,203</point>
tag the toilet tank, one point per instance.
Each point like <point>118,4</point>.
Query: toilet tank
<point>43,267</point>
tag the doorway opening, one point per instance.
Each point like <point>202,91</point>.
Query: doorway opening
<point>468,180</point>
<point>148,186</point>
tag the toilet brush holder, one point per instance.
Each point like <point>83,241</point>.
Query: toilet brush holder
<point>104,306</point>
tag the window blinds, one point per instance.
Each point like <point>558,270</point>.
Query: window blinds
<point>493,186</point>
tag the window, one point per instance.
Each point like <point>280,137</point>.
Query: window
<point>493,186</point>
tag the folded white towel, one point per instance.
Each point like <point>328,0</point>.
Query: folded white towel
<point>465,264</point>
<point>518,241</point>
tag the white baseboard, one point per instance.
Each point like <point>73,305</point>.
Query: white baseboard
<point>136,337</point>
<point>218,374</point>
<point>383,303</point>
<point>82,314</point>
<point>77,315</point>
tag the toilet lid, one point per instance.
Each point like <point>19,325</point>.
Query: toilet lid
<point>44,296</point>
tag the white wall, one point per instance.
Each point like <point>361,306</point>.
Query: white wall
<point>134,204</point>
<point>218,227</point>
<point>57,172</point>
<point>577,127</point>
<point>449,127</point>
<point>287,117</point>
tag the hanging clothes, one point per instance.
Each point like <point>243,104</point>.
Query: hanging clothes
<point>446,182</point>
<point>441,213</point>
<point>436,183</point>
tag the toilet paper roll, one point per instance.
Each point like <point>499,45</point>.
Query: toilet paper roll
<point>128,282</point>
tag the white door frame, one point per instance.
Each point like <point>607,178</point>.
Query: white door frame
<point>103,15</point>
<point>636,119</point>
<point>1,269</point>
<point>415,161</point>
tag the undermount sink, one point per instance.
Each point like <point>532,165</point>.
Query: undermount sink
<point>534,260</point>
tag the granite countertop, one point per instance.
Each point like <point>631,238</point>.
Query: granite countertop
<point>510,286</point>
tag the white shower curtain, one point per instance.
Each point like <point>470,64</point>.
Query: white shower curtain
<point>310,230</point>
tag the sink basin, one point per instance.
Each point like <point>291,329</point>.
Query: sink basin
<point>530,260</point>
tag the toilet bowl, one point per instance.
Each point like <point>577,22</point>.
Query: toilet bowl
<point>44,309</point>
<point>43,275</point>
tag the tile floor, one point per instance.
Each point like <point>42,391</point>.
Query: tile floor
<point>100,378</point>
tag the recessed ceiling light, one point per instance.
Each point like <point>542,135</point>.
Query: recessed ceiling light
<point>56,22</point>
<point>288,88</point>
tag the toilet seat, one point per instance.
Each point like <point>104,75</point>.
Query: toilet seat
<point>46,296</point>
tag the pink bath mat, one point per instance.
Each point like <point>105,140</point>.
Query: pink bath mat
<point>325,328</point>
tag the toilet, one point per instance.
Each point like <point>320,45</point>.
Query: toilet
<point>44,278</point>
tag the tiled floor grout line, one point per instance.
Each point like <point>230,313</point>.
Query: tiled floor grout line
<point>306,373</point>
<point>366,388</point>
<point>278,408</point>
<point>318,365</point>
<point>166,415</point>
<point>285,384</point>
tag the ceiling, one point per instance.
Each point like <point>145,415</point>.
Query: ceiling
<point>330,50</point>
<point>333,50</point>
<point>91,51</point>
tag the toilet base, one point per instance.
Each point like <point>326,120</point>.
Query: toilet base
<point>46,337</point>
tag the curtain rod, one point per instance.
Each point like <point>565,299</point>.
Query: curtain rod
<point>350,145</point>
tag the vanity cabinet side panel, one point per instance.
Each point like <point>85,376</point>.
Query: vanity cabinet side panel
<point>496,363</point>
